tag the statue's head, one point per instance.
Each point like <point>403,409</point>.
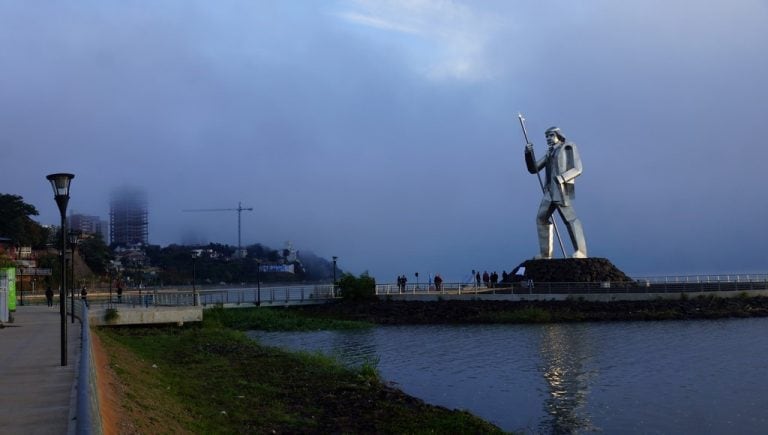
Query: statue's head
<point>554,136</point>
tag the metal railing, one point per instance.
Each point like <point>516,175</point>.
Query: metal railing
<point>446,287</point>
<point>663,284</point>
<point>279,295</point>
<point>269,296</point>
<point>87,402</point>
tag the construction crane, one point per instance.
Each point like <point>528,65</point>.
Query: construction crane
<point>239,211</point>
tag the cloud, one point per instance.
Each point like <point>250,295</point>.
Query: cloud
<point>378,23</point>
<point>452,39</point>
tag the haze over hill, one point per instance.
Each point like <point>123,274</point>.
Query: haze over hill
<point>386,133</point>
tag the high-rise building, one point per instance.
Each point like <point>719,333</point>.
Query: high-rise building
<point>128,222</point>
<point>88,224</point>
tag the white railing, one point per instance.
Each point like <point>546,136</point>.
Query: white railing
<point>281,295</point>
<point>663,284</point>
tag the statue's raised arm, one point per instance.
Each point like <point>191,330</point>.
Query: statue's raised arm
<point>530,160</point>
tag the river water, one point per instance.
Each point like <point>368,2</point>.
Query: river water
<point>627,377</point>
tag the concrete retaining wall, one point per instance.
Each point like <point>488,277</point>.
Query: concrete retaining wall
<point>127,315</point>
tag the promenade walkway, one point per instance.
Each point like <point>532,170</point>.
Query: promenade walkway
<point>37,394</point>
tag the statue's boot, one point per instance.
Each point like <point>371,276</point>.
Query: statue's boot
<point>545,242</point>
<point>577,238</point>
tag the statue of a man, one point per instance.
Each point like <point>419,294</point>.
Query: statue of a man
<point>563,165</point>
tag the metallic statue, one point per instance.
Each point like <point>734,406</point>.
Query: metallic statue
<point>562,165</point>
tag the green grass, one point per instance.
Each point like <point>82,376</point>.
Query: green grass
<point>274,319</point>
<point>216,380</point>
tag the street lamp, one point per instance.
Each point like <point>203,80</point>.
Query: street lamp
<point>194,272</point>
<point>258,282</point>
<point>73,239</point>
<point>109,271</point>
<point>21,274</point>
<point>333,290</point>
<point>60,183</point>
<point>334,270</point>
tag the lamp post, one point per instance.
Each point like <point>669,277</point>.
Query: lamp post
<point>21,274</point>
<point>258,282</point>
<point>66,266</point>
<point>194,272</point>
<point>334,270</point>
<point>109,271</point>
<point>333,289</point>
<point>73,239</point>
<point>60,183</point>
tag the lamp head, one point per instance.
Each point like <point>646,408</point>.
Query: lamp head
<point>60,183</point>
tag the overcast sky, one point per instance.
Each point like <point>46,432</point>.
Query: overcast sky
<point>386,132</point>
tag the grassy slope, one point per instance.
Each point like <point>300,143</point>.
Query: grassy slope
<point>216,380</point>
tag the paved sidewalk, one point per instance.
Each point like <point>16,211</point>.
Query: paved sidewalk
<point>36,392</point>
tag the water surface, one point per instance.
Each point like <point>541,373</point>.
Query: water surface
<point>620,377</point>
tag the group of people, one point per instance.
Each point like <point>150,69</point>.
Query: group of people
<point>490,280</point>
<point>402,280</point>
<point>83,295</point>
<point>49,296</point>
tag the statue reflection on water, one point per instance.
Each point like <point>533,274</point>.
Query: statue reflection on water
<point>565,352</point>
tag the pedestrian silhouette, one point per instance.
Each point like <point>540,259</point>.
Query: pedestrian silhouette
<point>49,296</point>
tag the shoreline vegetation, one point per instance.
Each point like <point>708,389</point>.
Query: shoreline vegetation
<point>211,378</point>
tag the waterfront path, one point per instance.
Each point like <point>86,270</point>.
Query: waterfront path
<point>37,394</point>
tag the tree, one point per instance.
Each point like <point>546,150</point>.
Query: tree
<point>16,224</point>
<point>95,253</point>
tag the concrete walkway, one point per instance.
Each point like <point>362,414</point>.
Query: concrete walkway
<point>36,392</point>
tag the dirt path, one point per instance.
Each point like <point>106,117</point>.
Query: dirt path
<point>110,391</point>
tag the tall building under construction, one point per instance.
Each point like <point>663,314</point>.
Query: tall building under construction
<point>128,223</point>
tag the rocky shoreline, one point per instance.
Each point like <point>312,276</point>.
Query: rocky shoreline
<point>466,312</point>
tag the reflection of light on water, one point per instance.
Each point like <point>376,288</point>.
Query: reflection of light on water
<point>563,352</point>
<point>573,378</point>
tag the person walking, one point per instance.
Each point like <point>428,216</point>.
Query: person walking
<point>84,296</point>
<point>119,294</point>
<point>49,296</point>
<point>438,282</point>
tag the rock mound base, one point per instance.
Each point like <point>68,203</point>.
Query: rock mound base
<point>571,270</point>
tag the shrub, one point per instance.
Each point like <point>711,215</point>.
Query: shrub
<point>111,315</point>
<point>357,289</point>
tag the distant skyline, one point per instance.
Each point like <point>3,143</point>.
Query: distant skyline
<point>385,132</point>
